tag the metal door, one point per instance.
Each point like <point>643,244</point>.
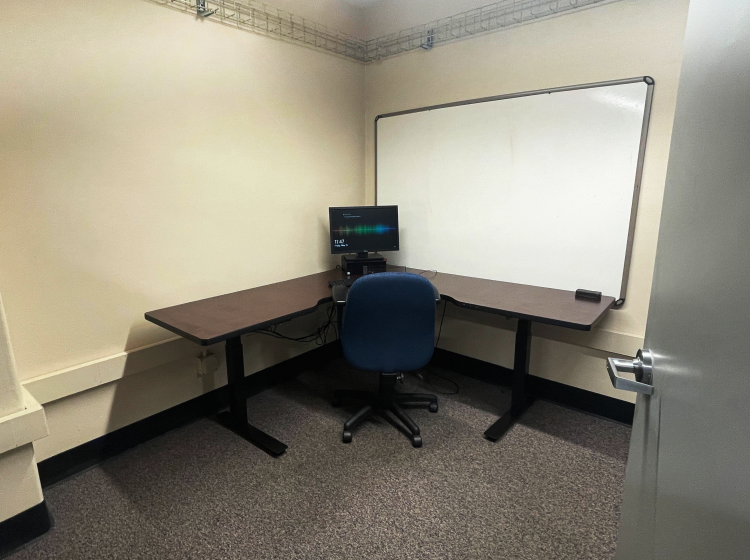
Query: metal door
<point>687,487</point>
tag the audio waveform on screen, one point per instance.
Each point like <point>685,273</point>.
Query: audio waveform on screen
<point>363,229</point>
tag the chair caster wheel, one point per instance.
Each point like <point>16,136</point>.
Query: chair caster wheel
<point>416,441</point>
<point>433,407</point>
<point>347,437</point>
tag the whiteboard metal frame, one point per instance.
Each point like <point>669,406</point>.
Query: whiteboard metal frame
<point>639,164</point>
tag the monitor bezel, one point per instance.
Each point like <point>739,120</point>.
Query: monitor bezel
<point>337,251</point>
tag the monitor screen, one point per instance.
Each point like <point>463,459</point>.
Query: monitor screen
<point>361,229</point>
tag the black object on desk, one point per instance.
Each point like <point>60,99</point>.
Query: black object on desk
<point>363,230</point>
<point>347,282</point>
<point>363,265</point>
<point>588,294</point>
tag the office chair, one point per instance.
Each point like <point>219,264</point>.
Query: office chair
<point>388,327</point>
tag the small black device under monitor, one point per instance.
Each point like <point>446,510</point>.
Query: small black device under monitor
<point>363,265</point>
<point>588,294</point>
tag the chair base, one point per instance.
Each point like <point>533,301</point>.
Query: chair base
<point>386,399</point>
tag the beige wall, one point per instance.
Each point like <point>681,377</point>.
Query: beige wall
<point>147,159</point>
<point>618,40</point>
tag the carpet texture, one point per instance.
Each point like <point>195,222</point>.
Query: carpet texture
<point>549,490</point>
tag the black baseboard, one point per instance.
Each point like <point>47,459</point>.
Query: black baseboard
<point>23,528</point>
<point>89,454</point>
<point>552,391</point>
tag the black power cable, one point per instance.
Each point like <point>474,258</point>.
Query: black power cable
<point>442,317</point>
<point>426,374</point>
<point>319,335</point>
<point>426,379</point>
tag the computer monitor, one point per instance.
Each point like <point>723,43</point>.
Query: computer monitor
<point>363,229</point>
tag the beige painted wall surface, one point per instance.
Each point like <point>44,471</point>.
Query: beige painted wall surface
<point>149,159</point>
<point>619,40</point>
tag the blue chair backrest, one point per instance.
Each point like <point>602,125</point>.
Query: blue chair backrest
<point>389,322</point>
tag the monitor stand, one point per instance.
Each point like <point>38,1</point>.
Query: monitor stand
<point>363,263</point>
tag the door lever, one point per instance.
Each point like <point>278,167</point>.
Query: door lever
<point>642,368</point>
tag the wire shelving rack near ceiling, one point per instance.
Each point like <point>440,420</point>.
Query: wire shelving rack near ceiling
<point>261,18</point>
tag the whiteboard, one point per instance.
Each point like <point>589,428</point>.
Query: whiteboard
<point>540,188</point>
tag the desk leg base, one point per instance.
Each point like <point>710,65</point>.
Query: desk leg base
<point>500,427</point>
<point>504,423</point>
<point>258,438</point>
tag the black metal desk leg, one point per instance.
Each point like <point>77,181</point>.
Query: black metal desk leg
<point>236,418</point>
<point>519,399</point>
<point>339,318</point>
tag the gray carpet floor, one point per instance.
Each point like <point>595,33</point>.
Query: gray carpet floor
<point>549,490</point>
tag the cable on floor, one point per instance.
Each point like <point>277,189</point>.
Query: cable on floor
<point>425,375</point>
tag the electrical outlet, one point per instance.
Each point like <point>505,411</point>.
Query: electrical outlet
<point>207,364</point>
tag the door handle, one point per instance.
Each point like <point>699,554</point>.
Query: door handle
<point>642,368</point>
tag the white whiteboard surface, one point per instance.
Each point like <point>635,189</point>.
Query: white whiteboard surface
<point>535,190</point>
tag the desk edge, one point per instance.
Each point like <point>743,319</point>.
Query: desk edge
<point>532,318</point>
<point>239,332</point>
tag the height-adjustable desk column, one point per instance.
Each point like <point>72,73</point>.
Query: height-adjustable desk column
<point>520,399</point>
<point>226,318</point>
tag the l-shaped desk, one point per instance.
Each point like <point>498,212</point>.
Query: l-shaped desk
<point>226,318</point>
